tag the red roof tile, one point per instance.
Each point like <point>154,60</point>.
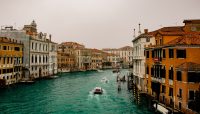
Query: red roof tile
<point>188,39</point>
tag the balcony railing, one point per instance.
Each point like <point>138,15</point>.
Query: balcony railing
<point>156,79</point>
<point>163,80</point>
<point>170,82</point>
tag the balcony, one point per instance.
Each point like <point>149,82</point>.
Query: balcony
<point>157,60</point>
<point>156,79</point>
<point>163,80</point>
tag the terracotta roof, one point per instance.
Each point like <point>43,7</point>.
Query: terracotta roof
<point>188,66</point>
<point>194,21</point>
<point>188,39</point>
<point>173,30</point>
<point>71,43</point>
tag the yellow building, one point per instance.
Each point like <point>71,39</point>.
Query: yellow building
<point>172,66</point>
<point>67,56</point>
<point>96,57</point>
<point>11,60</point>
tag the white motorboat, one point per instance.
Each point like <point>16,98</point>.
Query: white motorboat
<point>97,90</point>
<point>99,70</point>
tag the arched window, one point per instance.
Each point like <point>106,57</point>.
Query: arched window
<point>39,59</point>
<point>32,58</point>
<point>35,58</point>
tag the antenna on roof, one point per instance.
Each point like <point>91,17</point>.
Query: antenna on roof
<point>133,33</point>
<point>139,32</point>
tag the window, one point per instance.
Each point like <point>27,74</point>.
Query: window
<point>191,95</point>
<point>147,70</point>
<point>163,72</point>
<point>164,53</point>
<point>161,41</point>
<point>147,54</point>
<point>171,91</point>
<point>179,75</point>
<point>163,89</point>
<point>4,60</point>
<point>40,47</point>
<point>8,60</point>
<point>181,53</point>
<point>17,49</point>
<point>179,105</point>
<point>147,39</point>
<point>180,93</point>
<point>171,73</point>
<point>152,53</point>
<point>36,59</point>
<point>4,48</point>
<point>171,53</point>
<point>39,59</point>
<point>35,46</point>
<point>193,77</point>
<point>152,71</point>
<point>32,59</point>
<point>32,45</point>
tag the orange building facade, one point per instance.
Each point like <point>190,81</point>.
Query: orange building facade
<point>11,61</point>
<point>172,66</point>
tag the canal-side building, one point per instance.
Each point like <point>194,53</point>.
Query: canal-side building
<point>39,52</point>
<point>96,57</point>
<point>11,60</point>
<point>67,60</point>
<point>36,49</point>
<point>114,60</point>
<point>19,35</point>
<point>125,53</point>
<point>84,59</point>
<point>172,67</point>
<point>53,65</point>
<point>139,42</point>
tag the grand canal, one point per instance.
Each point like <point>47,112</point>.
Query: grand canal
<point>70,94</point>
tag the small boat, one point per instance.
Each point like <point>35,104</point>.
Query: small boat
<point>104,79</point>
<point>53,77</point>
<point>99,70</point>
<point>116,71</point>
<point>97,90</point>
<point>27,82</point>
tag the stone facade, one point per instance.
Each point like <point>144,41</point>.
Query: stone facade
<point>139,58</point>
<point>125,53</point>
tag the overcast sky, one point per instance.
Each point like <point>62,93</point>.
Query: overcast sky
<point>97,23</point>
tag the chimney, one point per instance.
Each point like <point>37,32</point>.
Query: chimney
<point>50,37</point>
<point>145,31</point>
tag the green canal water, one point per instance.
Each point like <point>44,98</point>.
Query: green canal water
<point>70,94</point>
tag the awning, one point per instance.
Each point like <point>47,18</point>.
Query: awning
<point>161,109</point>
